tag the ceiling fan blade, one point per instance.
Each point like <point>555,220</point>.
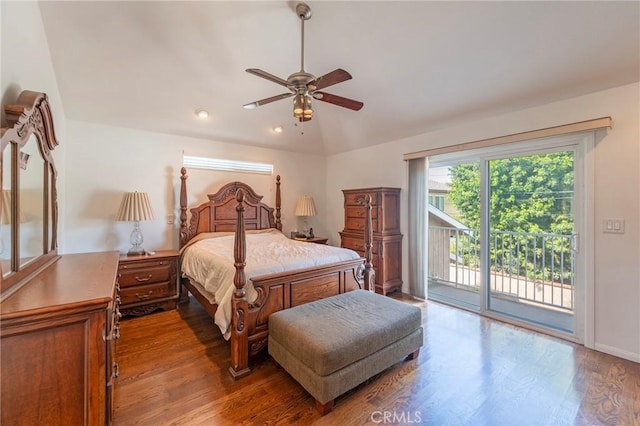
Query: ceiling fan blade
<point>267,76</point>
<point>338,100</point>
<point>256,104</point>
<point>329,79</point>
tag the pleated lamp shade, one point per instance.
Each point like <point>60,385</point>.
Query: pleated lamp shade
<point>305,206</point>
<point>5,215</point>
<point>135,207</point>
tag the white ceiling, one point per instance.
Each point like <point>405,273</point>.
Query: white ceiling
<point>417,66</point>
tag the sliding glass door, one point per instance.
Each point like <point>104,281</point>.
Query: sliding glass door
<point>454,235</point>
<point>530,245</point>
<point>503,232</point>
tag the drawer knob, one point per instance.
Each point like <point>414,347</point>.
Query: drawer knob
<point>144,296</point>
<point>116,370</point>
<point>144,279</point>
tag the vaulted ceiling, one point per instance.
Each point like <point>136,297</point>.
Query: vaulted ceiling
<point>417,66</point>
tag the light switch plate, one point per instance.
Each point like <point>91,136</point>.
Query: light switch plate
<point>613,226</point>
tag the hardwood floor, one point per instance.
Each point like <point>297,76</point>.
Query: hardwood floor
<point>471,371</point>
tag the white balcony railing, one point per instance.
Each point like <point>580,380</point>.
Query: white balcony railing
<point>532,268</point>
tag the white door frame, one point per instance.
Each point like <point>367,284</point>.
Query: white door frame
<point>582,144</point>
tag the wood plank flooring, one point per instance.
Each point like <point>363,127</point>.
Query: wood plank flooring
<point>471,371</point>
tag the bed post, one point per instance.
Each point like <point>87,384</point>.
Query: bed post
<point>239,306</point>
<point>278,203</point>
<point>369,273</point>
<point>183,206</point>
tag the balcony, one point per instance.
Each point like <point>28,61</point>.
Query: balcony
<point>531,270</point>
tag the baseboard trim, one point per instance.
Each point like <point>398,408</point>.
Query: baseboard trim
<point>620,353</point>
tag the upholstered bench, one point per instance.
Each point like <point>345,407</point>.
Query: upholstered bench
<point>332,345</point>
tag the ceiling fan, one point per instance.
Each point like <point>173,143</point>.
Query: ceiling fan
<point>305,86</point>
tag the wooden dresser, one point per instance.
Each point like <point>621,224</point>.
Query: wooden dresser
<point>387,239</point>
<point>148,282</point>
<point>58,335</point>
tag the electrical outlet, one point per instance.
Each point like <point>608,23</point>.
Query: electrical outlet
<point>171,218</point>
<point>613,226</point>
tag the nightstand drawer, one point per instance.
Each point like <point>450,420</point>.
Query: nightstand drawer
<point>130,276</point>
<point>143,293</point>
<point>148,282</point>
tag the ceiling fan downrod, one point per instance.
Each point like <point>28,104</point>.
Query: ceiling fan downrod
<point>304,12</point>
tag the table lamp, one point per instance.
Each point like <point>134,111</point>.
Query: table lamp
<point>135,207</point>
<point>306,207</point>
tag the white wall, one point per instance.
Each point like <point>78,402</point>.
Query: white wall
<point>106,161</point>
<point>617,195</point>
<point>26,65</point>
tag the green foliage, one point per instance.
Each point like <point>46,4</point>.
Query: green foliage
<point>529,195</point>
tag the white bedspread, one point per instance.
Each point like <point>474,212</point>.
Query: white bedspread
<point>209,262</point>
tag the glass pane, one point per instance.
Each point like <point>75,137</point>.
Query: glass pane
<point>531,224</point>
<point>49,210</point>
<point>454,236</point>
<point>31,214</point>
<point>5,214</point>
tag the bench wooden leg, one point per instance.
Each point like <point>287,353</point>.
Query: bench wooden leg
<point>324,408</point>
<point>413,355</point>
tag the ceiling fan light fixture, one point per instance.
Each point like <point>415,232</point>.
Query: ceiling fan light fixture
<point>302,109</point>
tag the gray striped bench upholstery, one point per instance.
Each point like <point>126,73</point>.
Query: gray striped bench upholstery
<point>332,345</point>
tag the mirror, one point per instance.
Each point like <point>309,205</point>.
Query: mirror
<point>31,209</point>
<point>28,226</point>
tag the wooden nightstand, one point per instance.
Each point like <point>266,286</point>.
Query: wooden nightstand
<point>148,282</point>
<point>317,240</point>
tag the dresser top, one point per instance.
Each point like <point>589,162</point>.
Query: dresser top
<point>75,282</point>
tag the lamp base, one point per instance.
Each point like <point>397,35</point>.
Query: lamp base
<point>136,251</point>
<point>136,240</point>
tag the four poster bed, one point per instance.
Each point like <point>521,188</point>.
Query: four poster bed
<point>230,217</point>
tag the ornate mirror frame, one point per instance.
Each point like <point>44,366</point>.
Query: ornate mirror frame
<point>30,116</point>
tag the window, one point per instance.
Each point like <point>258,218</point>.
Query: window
<point>226,165</point>
<point>437,201</point>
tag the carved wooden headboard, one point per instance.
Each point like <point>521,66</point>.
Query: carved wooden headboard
<point>219,213</point>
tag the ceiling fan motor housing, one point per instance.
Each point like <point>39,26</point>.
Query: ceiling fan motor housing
<point>300,79</point>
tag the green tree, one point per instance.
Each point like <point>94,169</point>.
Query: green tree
<point>528,195</point>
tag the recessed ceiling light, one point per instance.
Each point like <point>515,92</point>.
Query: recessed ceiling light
<point>278,129</point>
<point>201,113</point>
